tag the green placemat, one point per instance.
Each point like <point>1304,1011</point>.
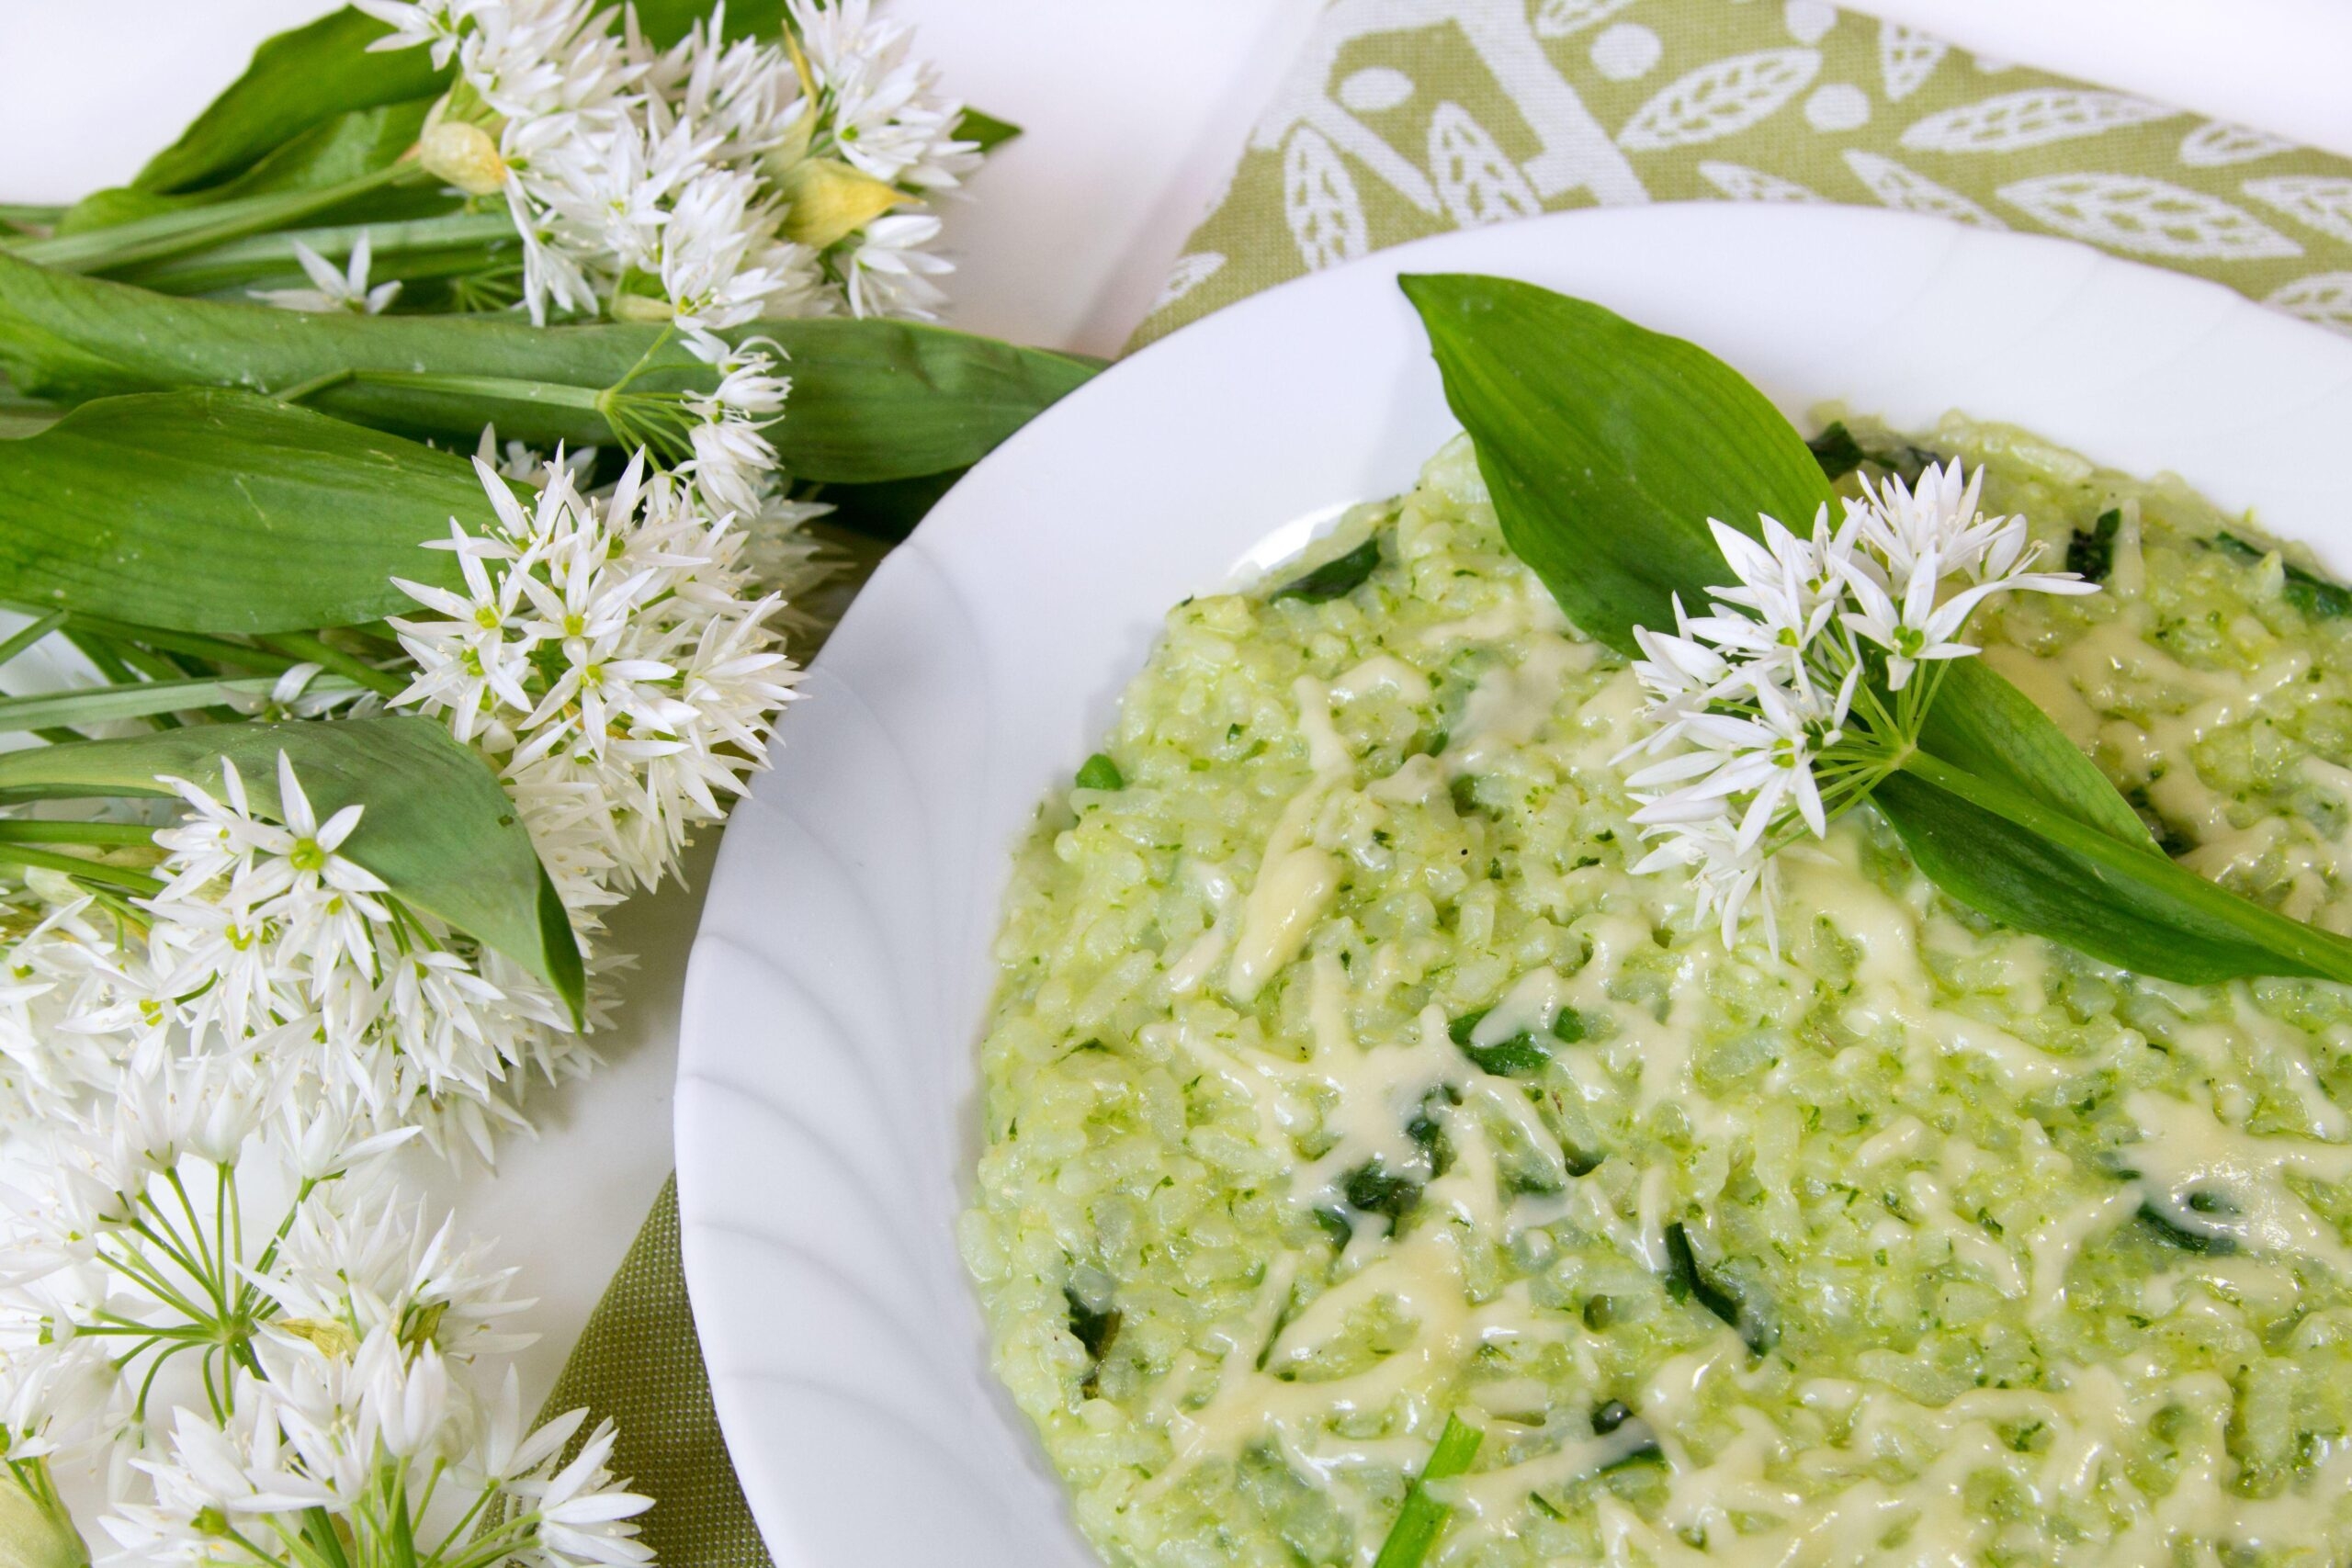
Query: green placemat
<point>1406,117</point>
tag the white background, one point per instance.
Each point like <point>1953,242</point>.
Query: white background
<point>1134,111</point>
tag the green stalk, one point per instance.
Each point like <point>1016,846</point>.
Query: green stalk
<point>2130,871</point>
<point>408,249</point>
<point>30,635</point>
<point>34,830</point>
<point>176,233</point>
<point>546,394</point>
<point>316,650</point>
<point>1418,1522</point>
<point>76,865</point>
<point>137,699</point>
<point>218,650</point>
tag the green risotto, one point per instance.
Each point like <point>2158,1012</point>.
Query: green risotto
<point>1343,1081</point>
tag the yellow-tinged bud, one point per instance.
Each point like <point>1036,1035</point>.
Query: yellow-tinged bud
<point>327,1335</point>
<point>465,155</point>
<point>829,201</point>
<point>37,1534</point>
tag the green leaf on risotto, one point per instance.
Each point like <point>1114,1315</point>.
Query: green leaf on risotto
<point>1607,447</point>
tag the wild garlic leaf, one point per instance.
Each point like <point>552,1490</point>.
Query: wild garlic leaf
<point>2000,851</point>
<point>872,401</point>
<point>298,79</point>
<point>437,826</point>
<point>1607,446</point>
<point>222,512</point>
<point>306,75</point>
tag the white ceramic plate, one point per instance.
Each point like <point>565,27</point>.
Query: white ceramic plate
<point>825,1111</point>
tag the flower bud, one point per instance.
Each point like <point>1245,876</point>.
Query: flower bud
<point>829,201</point>
<point>34,1534</point>
<point>465,155</point>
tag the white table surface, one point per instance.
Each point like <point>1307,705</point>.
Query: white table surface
<point>1134,110</point>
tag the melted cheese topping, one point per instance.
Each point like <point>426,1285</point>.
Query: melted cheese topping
<point>2024,1261</point>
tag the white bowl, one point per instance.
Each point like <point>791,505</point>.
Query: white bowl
<point>826,1124</point>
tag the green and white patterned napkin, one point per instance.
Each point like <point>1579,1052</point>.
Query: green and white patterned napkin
<point>1406,117</point>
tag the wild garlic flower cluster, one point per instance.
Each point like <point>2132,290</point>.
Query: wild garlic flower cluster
<point>708,185</point>
<point>264,943</point>
<point>1806,682</point>
<point>607,654</point>
<point>216,1298</point>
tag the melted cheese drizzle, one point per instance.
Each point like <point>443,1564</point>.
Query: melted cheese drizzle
<point>1889,1470</point>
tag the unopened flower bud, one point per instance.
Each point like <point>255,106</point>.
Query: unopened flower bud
<point>35,1534</point>
<point>465,155</point>
<point>829,201</point>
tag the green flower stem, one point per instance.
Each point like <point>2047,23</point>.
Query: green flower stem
<point>137,699</point>
<point>30,635</point>
<point>175,233</point>
<point>546,394</point>
<point>2131,870</point>
<point>410,249</point>
<point>217,650</point>
<point>316,650</point>
<point>33,831</point>
<point>86,870</point>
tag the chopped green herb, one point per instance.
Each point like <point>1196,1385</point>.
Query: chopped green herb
<point>1840,454</point>
<point>2092,554</point>
<point>1568,1027</point>
<point>1517,1057</point>
<point>1335,578</point>
<point>1647,1454</point>
<point>2171,1234</point>
<point>1463,791</point>
<point>1374,1191</point>
<point>1685,1281</point>
<point>1610,1417</point>
<point>1418,1522</point>
<point>1336,1224</point>
<point>1095,1329</point>
<point>1837,451</point>
<point>1099,772</point>
<point>1426,1131</point>
<point>2313,594</point>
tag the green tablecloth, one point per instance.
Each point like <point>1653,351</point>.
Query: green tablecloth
<point>1406,117</point>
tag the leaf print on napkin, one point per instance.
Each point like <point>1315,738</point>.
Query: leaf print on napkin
<point>1558,18</point>
<point>1906,191</point>
<point>1320,200</point>
<point>1738,182</point>
<point>1475,178</point>
<point>1907,58</point>
<point>2217,143</point>
<point>2316,201</point>
<point>2033,119</point>
<point>2147,217</point>
<point>1718,100</point>
<point>1188,273</point>
<point>2323,299</point>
